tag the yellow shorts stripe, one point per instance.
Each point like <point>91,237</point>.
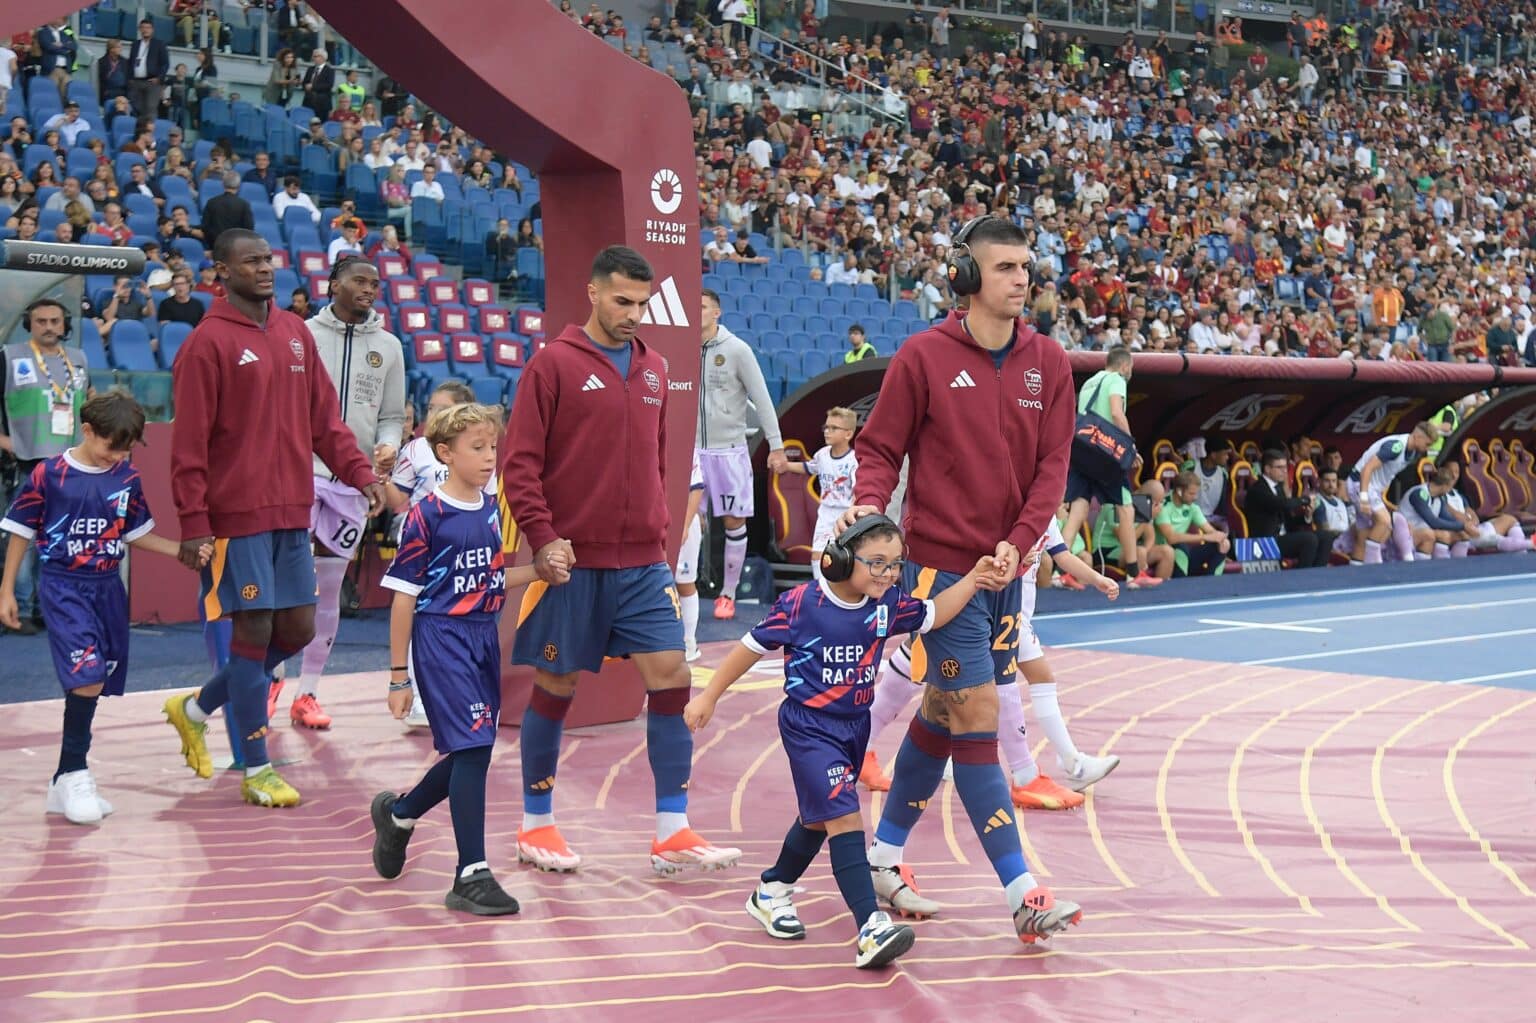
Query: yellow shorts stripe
<point>212,609</point>
<point>922,591</point>
<point>531,597</point>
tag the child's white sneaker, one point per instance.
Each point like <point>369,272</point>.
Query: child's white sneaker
<point>74,795</point>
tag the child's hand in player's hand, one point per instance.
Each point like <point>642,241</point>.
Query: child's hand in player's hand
<point>989,572</point>
<point>1031,558</point>
<point>561,564</point>
<point>10,614</point>
<point>400,702</point>
<point>204,554</point>
<point>698,712</point>
<point>1107,586</point>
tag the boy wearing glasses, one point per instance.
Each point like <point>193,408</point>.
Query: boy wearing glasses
<point>834,465</point>
<point>832,631</point>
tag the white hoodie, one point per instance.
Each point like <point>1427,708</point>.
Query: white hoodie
<point>367,368</point>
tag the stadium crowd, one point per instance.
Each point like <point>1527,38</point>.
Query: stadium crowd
<point>1373,206</point>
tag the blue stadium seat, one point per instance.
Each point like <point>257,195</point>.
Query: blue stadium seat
<point>91,347</point>
<point>489,390</point>
<point>749,305</point>
<point>830,306</point>
<point>191,250</point>
<point>817,325</point>
<point>772,340</point>
<point>791,289</point>
<point>866,291</point>
<point>128,347</point>
<point>171,337</point>
<point>800,341</point>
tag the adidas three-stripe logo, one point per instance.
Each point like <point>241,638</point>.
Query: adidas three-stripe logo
<point>999,819</point>
<point>247,357</point>
<point>963,380</point>
<point>666,309</point>
<point>592,384</point>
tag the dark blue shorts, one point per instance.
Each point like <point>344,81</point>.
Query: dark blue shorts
<point>601,612</point>
<point>977,646</point>
<point>456,664</point>
<point>825,753</point>
<point>261,572</point>
<point>1086,488</point>
<point>87,619</point>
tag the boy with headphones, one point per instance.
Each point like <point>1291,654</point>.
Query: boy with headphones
<point>832,632</point>
<point>44,388</point>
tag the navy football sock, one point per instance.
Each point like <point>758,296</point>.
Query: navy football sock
<point>669,747</point>
<point>919,769</point>
<point>76,741</point>
<point>850,868</point>
<point>543,723</point>
<point>431,790</point>
<point>801,844</point>
<point>984,791</point>
<point>248,694</point>
<point>466,802</point>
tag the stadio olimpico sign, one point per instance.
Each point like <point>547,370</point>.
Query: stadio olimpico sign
<point>51,257</point>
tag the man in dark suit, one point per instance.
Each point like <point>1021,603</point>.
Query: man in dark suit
<point>226,211</point>
<point>148,63</point>
<point>1272,511</point>
<point>319,85</point>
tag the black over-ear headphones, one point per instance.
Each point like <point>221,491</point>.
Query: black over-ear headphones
<point>964,274</point>
<point>837,556</point>
<point>69,321</point>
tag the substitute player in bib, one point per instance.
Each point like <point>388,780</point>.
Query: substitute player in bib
<point>1434,528</point>
<point>584,478</point>
<point>367,367</point>
<point>450,582</point>
<point>978,484</point>
<point>250,493</point>
<point>687,573</point>
<point>1367,490</point>
<point>79,510</point>
<point>832,631</point>
<point>729,377</point>
<point>835,466</point>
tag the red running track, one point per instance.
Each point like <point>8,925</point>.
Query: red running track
<point>1277,844</point>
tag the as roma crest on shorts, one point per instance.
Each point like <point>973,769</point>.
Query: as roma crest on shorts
<point>652,381</point>
<point>949,668</point>
<point>1033,381</point>
<point>551,652</point>
<point>250,591</point>
<point>297,347</point>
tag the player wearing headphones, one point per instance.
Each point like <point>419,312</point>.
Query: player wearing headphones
<point>832,631</point>
<point>367,368</point>
<point>982,406</point>
<point>44,387</point>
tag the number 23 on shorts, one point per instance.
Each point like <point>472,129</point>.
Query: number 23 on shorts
<point>1007,633</point>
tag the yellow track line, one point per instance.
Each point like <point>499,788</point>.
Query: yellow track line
<point>1403,841</point>
<point>1311,811</point>
<point>1166,767</point>
<point>1446,775</point>
<point>1234,804</point>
